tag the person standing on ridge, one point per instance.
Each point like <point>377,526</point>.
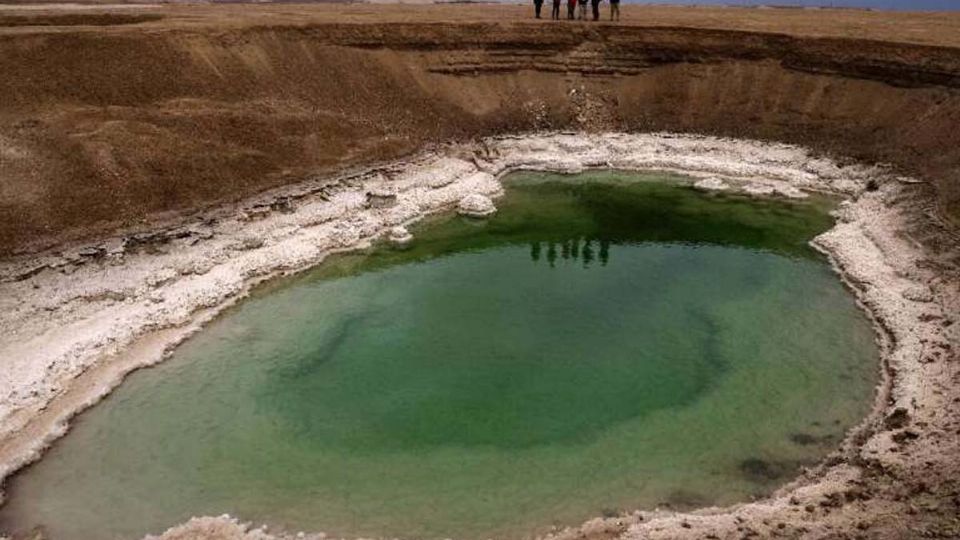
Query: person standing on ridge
<point>583,10</point>
<point>537,6</point>
<point>571,9</point>
<point>595,4</point>
<point>614,10</point>
<point>555,14</point>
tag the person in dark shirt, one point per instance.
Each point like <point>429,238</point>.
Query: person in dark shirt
<point>537,6</point>
<point>614,10</point>
<point>555,14</point>
<point>583,10</point>
<point>595,4</point>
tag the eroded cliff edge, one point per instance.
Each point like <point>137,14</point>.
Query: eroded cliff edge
<point>110,126</point>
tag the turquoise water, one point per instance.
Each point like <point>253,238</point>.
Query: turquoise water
<point>606,342</point>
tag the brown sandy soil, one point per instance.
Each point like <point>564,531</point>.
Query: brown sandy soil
<point>74,19</point>
<point>111,125</point>
<point>930,28</point>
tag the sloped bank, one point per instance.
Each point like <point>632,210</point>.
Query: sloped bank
<point>109,127</point>
<point>74,323</point>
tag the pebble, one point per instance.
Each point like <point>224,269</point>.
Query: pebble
<point>711,184</point>
<point>476,205</point>
<point>400,236</point>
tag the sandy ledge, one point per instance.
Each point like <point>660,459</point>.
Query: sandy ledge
<point>73,323</point>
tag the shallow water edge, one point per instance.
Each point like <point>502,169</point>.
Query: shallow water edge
<point>863,247</point>
<point>655,317</point>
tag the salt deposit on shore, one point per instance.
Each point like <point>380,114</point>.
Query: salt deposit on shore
<point>74,322</point>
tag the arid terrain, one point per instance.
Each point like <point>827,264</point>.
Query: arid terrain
<point>110,117</point>
<point>157,161</point>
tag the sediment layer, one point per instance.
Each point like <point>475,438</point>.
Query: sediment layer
<point>106,126</point>
<point>74,321</point>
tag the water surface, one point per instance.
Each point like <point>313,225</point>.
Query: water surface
<point>608,341</point>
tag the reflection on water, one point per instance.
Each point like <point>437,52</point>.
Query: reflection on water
<point>573,249</point>
<point>491,379</point>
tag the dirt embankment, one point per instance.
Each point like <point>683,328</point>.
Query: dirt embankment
<point>111,126</point>
<point>75,19</point>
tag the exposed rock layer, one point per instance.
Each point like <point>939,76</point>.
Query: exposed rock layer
<point>104,127</point>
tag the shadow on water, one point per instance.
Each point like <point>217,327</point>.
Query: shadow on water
<point>561,217</point>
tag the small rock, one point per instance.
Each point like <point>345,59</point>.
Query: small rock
<point>832,500</point>
<point>902,437</point>
<point>161,277</point>
<point>441,180</point>
<point>790,192</point>
<point>400,236</point>
<point>116,247</point>
<point>93,252</point>
<point>254,213</point>
<point>857,494</point>
<point>196,267</point>
<point>759,190</point>
<point>250,242</point>
<point>476,205</point>
<point>282,204</point>
<point>381,198</point>
<point>897,419</point>
<point>711,184</point>
<point>919,293</point>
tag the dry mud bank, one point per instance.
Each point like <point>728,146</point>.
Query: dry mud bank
<point>113,125</point>
<point>74,322</point>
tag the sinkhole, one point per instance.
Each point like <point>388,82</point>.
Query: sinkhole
<point>607,341</point>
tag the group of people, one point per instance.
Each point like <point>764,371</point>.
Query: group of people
<point>572,12</point>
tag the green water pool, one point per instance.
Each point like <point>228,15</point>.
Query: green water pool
<point>606,342</point>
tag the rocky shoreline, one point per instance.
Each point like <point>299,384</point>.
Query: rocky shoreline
<point>75,321</point>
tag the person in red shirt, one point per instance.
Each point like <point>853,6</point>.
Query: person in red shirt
<point>571,9</point>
